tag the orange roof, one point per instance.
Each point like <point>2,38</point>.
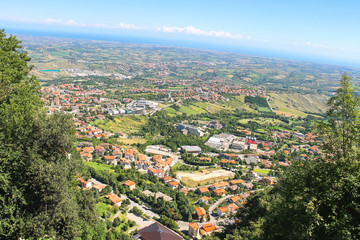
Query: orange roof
<point>233,207</point>
<point>124,160</point>
<point>208,227</point>
<point>203,189</point>
<point>142,157</point>
<point>200,211</point>
<point>219,192</point>
<point>236,181</point>
<point>223,209</point>
<point>113,198</point>
<point>129,183</point>
<point>220,184</point>
<point>194,226</point>
<point>173,183</point>
<point>109,157</point>
<point>167,178</point>
<point>205,198</point>
<point>235,199</point>
<point>157,157</point>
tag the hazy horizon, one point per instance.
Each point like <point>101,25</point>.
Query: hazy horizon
<point>185,43</point>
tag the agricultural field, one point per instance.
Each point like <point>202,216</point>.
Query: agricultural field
<point>126,124</point>
<point>131,141</point>
<point>204,177</point>
<point>262,121</point>
<point>295,104</point>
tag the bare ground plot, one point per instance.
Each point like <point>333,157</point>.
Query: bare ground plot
<point>193,179</point>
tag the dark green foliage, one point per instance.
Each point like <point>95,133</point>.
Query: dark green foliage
<point>258,101</point>
<point>116,222</point>
<point>38,162</point>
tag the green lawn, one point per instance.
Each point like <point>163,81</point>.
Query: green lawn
<point>263,109</point>
<point>264,171</point>
<point>99,166</point>
<point>101,208</point>
<point>192,110</point>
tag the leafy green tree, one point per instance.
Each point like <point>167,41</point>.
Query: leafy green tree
<point>38,161</point>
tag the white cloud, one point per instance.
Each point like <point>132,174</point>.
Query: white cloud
<point>70,22</point>
<point>196,31</point>
<point>312,45</point>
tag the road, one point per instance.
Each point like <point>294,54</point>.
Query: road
<point>218,202</point>
<point>143,208</point>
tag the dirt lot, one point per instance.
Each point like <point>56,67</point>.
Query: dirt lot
<point>205,177</point>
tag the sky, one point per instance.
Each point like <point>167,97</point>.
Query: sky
<point>321,29</point>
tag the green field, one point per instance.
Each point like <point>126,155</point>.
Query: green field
<point>126,124</point>
<point>192,110</point>
<point>263,109</point>
<point>264,171</point>
<point>101,208</point>
<point>99,166</point>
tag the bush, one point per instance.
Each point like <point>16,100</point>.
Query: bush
<point>116,222</point>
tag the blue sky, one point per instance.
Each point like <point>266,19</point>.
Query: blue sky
<point>327,29</point>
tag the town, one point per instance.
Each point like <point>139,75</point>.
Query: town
<point>183,189</point>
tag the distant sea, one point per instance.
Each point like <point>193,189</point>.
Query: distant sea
<point>184,43</point>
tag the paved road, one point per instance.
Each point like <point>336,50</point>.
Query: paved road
<point>141,222</point>
<point>143,208</point>
<point>218,202</point>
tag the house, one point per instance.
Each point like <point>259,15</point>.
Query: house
<point>233,207</point>
<point>172,184</point>
<point>204,199</point>
<point>221,211</point>
<point>167,179</point>
<point>99,150</point>
<point>222,185</point>
<point>142,158</point>
<point>205,159</point>
<point>202,190</point>
<point>98,186</point>
<point>219,192</point>
<point>115,199</point>
<point>86,156</point>
<point>117,153</point>
<point>146,165</point>
<point>194,230</point>
<point>156,231</point>
<point>200,213</point>
<point>208,229</point>
<point>229,156</point>
<point>247,185</point>
<point>85,184</point>
<point>110,160</point>
<point>129,184</point>
<point>125,163</point>
<point>236,182</point>
<point>233,188</point>
<point>131,154</point>
<point>155,172</point>
<point>185,190</point>
<point>234,199</point>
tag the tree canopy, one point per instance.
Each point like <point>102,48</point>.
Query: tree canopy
<point>38,193</point>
